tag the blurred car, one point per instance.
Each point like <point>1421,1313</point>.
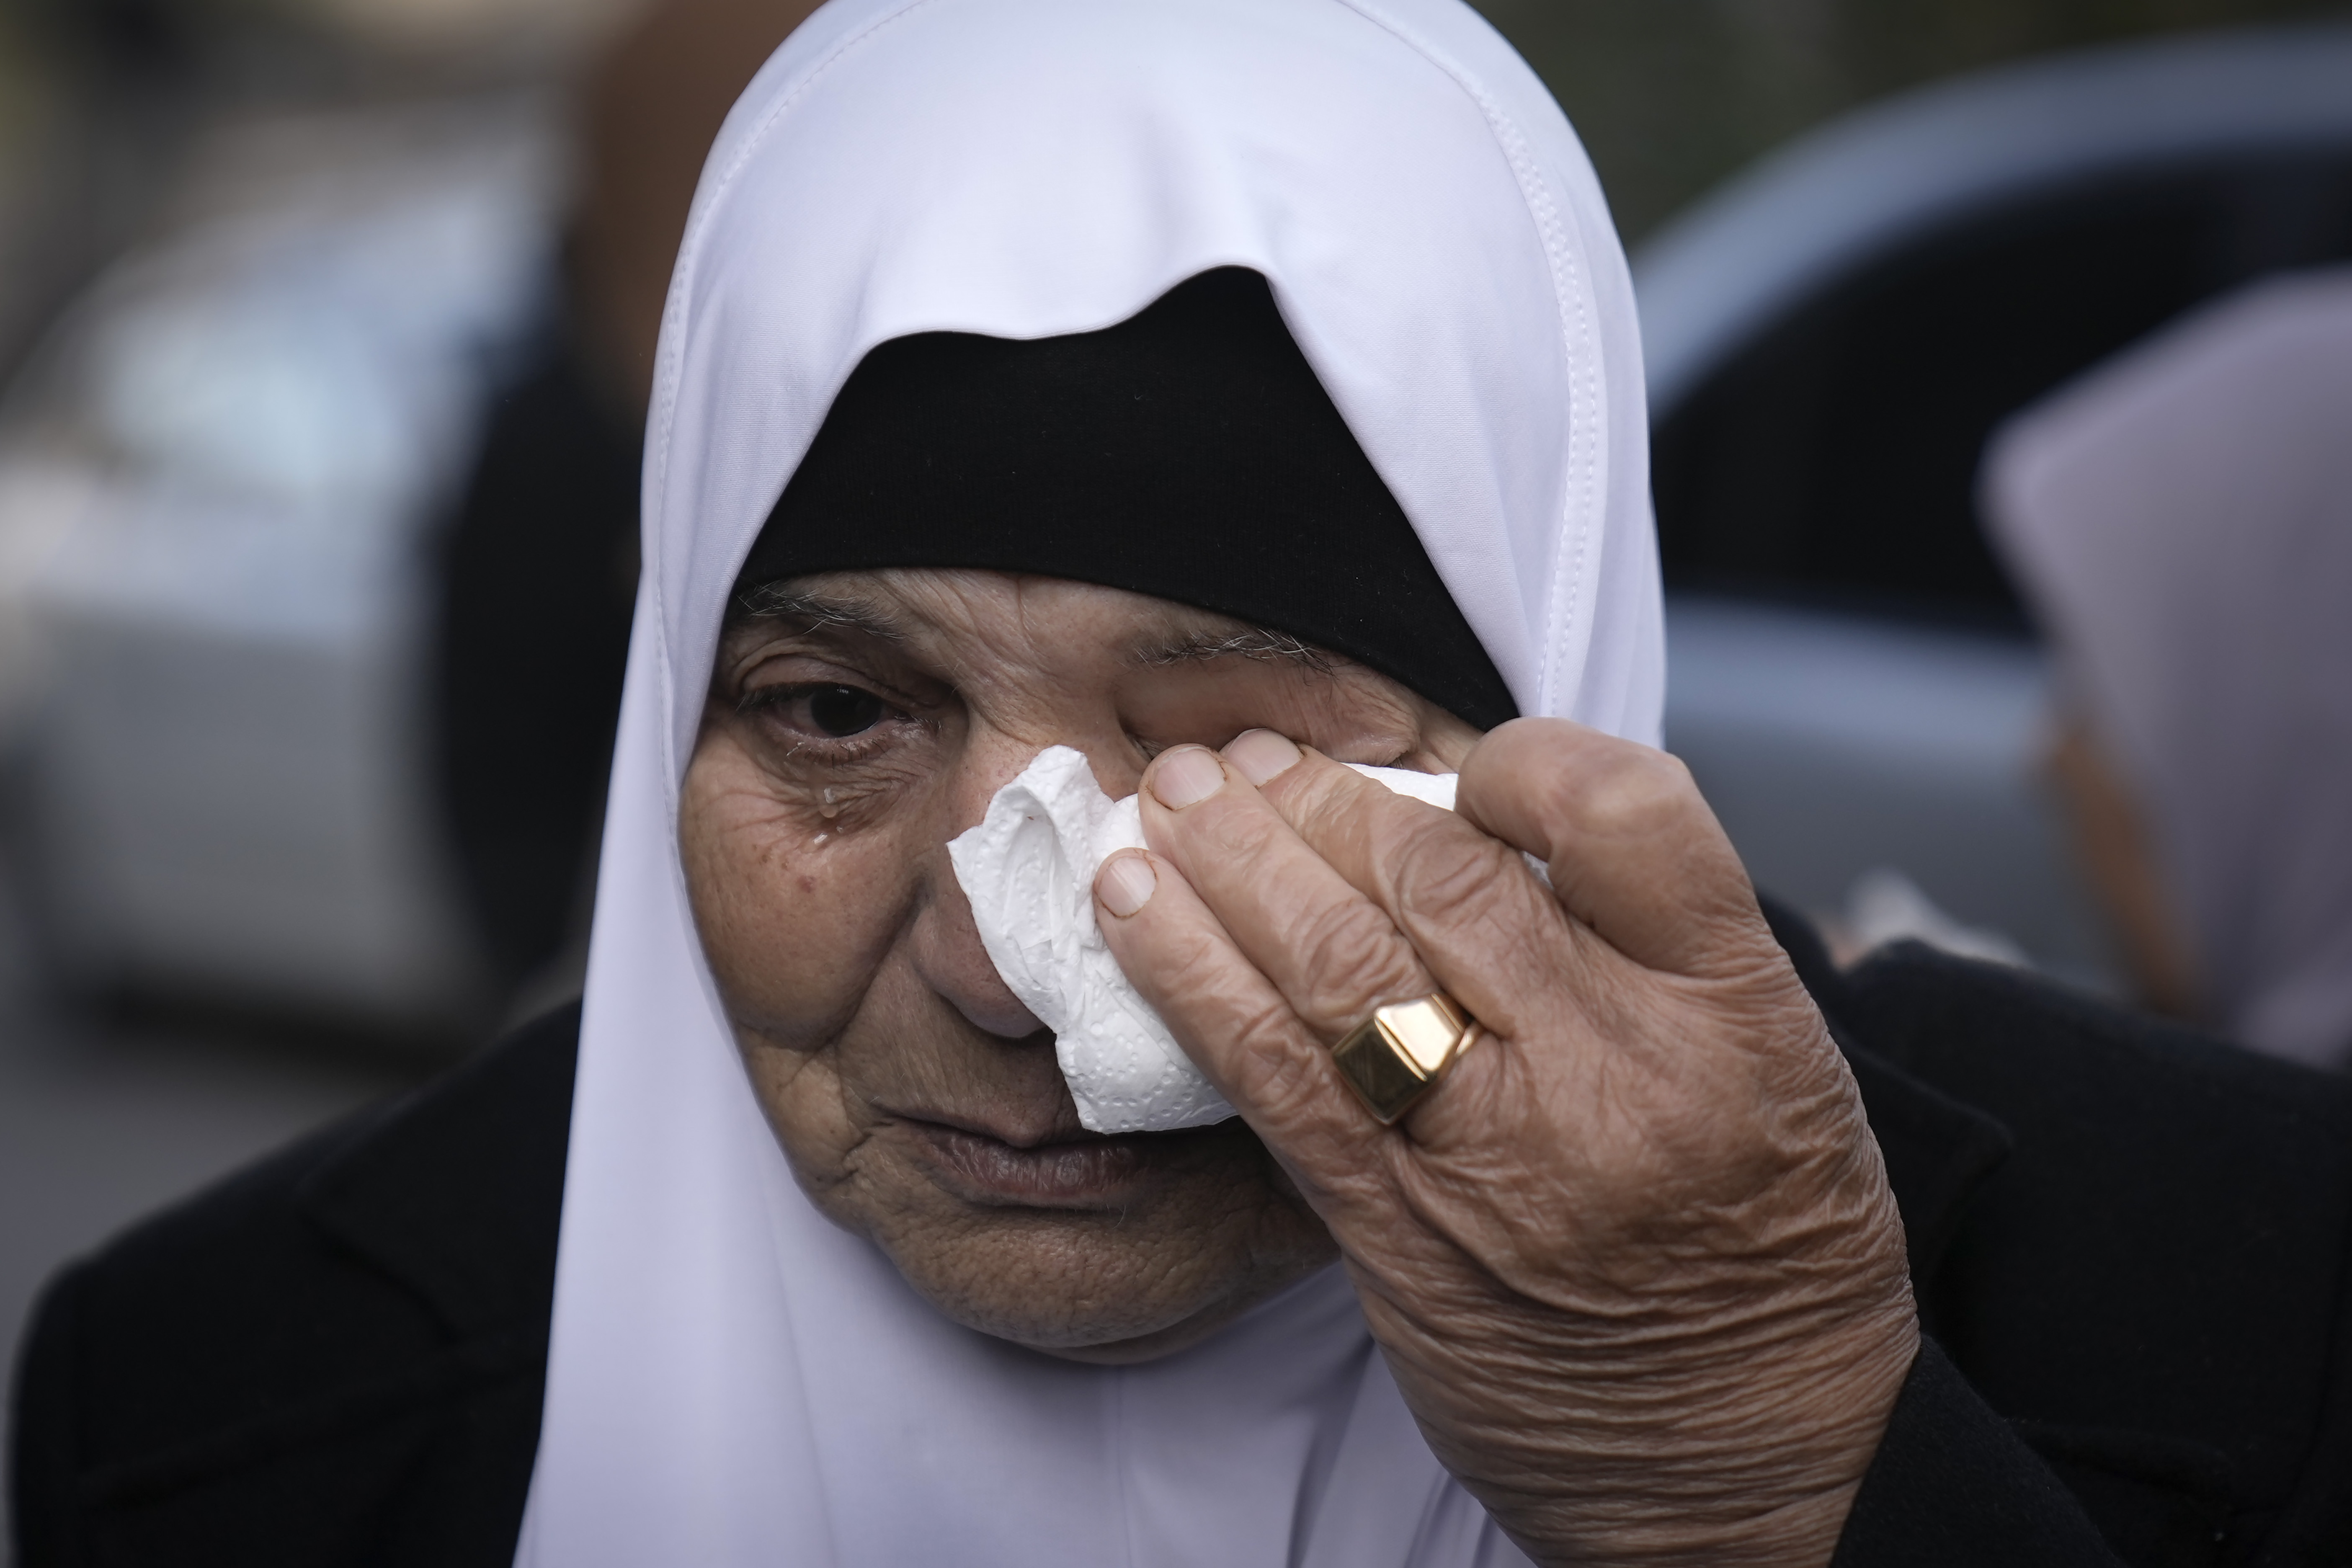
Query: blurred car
<point>218,484</point>
<point>1830,339</point>
<point>220,490</point>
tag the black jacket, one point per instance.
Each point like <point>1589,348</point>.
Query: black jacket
<point>2130,1245</point>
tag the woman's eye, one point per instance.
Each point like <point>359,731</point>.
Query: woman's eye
<point>841,711</point>
<point>820,710</point>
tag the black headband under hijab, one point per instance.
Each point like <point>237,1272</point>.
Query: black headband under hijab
<point>1188,453</point>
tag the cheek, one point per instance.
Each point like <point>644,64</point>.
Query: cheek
<point>795,912</point>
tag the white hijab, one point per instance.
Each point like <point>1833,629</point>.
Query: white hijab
<point>734,1381</point>
<point>2183,516</point>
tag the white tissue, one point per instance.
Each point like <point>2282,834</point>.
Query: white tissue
<point>1029,871</point>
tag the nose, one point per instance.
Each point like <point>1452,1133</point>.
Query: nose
<point>949,958</point>
<point>946,942</point>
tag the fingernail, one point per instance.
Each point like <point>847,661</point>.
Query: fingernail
<point>1126,883</point>
<point>1186,775</point>
<point>1260,754</point>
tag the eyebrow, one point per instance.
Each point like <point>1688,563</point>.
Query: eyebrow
<point>1180,643</point>
<point>815,610</point>
<point>1260,643</point>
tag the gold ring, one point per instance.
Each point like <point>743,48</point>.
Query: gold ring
<point>1397,1054</point>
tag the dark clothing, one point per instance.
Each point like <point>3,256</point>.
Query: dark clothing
<point>2130,1243</point>
<point>1196,423</point>
<point>536,573</point>
<point>333,1358</point>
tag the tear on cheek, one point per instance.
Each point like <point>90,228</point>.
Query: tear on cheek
<point>830,809</point>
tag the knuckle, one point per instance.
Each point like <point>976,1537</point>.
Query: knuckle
<point>1443,877</point>
<point>1325,798</point>
<point>1230,829</point>
<point>1198,969</point>
<point>1351,957</point>
<point>1277,1065</point>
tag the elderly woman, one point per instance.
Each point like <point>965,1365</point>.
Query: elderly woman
<point>1228,391</point>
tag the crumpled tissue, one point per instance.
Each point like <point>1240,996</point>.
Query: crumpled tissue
<point>1028,869</point>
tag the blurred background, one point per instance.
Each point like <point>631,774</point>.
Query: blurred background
<point>325,332</point>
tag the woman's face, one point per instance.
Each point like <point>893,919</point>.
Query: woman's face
<point>848,737</point>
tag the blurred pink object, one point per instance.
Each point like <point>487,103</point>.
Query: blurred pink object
<point>2183,519</point>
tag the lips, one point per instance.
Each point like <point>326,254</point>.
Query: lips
<point>1084,1170</point>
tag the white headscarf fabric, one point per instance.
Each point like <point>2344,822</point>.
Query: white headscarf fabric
<point>2183,516</point>
<point>732,1379</point>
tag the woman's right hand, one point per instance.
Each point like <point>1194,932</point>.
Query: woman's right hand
<point>1634,1261</point>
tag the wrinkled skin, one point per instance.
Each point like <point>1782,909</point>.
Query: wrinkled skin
<point>1634,1263</point>
<point>918,1101</point>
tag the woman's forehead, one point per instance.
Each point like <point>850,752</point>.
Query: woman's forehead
<point>947,606</point>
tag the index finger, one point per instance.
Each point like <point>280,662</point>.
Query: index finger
<point>1490,931</point>
<point>1332,952</point>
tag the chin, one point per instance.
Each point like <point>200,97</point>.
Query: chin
<point>1107,1285</point>
<point>1086,1286</point>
